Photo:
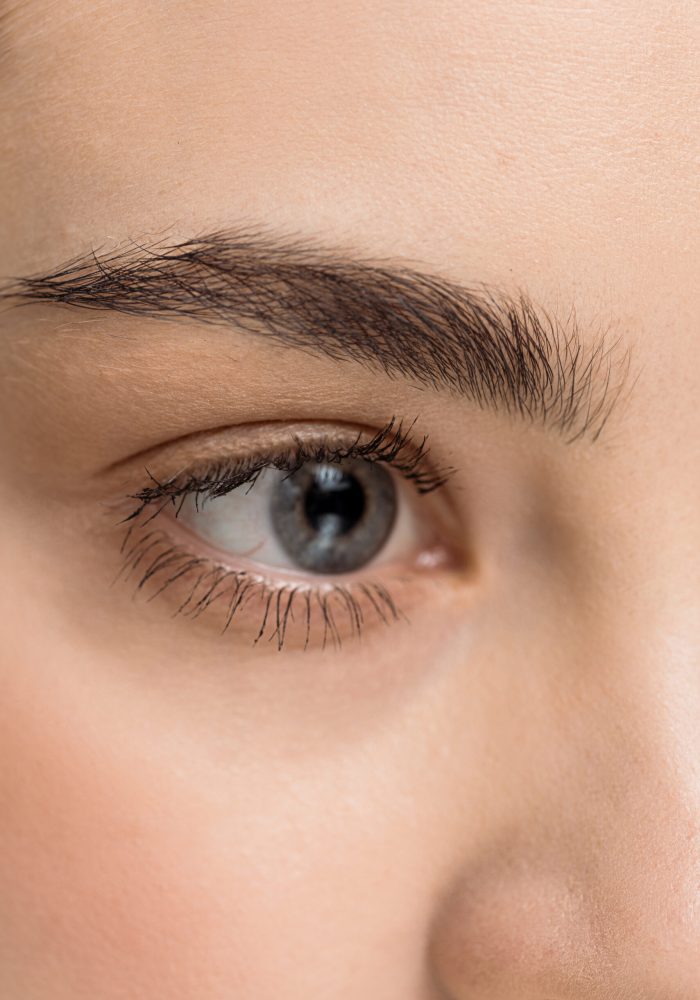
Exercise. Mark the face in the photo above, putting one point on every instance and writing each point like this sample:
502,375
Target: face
350,640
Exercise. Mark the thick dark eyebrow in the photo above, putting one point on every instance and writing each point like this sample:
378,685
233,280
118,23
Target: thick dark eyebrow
498,350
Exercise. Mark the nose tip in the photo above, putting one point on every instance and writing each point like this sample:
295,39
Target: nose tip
512,928
623,924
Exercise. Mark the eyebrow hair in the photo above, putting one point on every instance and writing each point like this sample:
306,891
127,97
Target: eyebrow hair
498,350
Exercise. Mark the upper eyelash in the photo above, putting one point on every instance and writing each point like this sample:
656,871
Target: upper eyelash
391,445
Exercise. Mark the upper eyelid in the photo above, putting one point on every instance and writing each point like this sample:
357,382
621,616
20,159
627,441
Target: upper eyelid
393,444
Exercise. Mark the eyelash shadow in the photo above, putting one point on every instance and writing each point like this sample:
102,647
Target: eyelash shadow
160,562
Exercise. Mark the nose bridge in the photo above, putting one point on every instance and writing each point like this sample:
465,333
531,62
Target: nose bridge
649,754
590,885
637,798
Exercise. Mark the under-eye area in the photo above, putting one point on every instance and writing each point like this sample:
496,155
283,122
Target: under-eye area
304,542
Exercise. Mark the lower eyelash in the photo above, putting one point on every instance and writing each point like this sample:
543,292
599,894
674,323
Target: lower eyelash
159,565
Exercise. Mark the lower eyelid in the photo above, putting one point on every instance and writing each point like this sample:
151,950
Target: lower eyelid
269,610
290,612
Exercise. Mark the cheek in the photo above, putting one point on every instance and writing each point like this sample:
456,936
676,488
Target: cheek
133,861
115,875
126,866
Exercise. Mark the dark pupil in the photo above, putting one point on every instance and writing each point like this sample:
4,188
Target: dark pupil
334,501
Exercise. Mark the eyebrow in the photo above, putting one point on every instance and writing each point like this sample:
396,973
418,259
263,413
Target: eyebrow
496,349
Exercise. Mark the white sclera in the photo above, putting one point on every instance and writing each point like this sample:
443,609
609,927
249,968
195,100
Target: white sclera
239,524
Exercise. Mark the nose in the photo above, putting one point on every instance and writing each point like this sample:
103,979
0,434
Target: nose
588,886
624,925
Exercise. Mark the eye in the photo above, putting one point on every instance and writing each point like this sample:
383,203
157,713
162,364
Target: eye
303,536
323,518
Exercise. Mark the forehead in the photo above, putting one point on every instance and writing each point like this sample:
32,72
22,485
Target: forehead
490,133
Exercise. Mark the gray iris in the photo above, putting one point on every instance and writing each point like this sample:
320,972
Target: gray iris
334,518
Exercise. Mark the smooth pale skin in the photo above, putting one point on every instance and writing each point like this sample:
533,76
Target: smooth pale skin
499,800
